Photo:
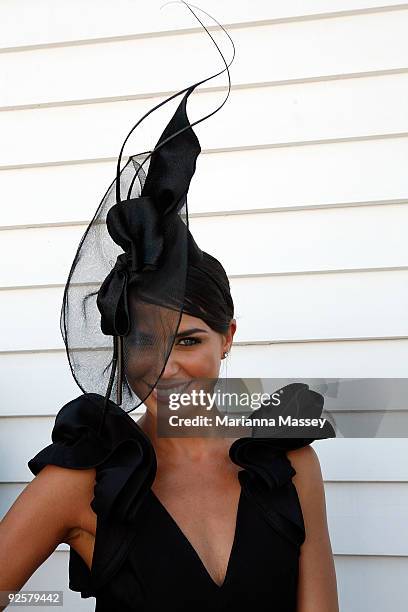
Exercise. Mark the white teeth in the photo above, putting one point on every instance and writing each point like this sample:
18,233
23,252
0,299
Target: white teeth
178,389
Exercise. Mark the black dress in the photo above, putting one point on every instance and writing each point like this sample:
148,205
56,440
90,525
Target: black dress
142,560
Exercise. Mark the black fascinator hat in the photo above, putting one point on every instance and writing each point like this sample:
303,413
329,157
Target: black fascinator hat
125,292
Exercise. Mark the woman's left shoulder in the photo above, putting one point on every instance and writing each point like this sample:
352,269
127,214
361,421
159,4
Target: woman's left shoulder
309,485
306,464
304,458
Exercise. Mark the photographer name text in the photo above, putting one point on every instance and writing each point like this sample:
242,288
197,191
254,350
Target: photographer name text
243,421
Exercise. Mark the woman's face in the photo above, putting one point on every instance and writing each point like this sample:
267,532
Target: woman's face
197,353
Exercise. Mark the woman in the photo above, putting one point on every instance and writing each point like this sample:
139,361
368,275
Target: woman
154,522
195,542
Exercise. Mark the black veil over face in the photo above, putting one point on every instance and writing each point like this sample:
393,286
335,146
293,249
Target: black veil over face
125,292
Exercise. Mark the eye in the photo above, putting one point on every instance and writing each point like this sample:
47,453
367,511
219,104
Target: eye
195,341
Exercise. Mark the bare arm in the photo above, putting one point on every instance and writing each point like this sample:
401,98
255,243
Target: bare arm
45,514
317,589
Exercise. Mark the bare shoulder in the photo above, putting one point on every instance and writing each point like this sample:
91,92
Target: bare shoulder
72,491
306,464
309,484
53,508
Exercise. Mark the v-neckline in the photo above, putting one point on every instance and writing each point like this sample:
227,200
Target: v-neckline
191,547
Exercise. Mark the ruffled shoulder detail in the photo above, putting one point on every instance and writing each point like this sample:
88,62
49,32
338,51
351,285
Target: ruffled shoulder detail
125,464
124,456
267,472
266,478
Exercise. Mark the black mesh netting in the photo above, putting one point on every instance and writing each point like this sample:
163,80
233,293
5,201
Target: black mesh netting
154,298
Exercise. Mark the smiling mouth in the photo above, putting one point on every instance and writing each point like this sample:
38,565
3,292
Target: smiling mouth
174,388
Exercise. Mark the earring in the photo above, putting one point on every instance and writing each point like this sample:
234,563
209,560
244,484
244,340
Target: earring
225,353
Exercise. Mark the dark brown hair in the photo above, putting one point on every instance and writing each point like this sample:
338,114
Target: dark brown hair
208,293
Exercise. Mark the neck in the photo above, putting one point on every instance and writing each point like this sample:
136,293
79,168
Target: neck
195,448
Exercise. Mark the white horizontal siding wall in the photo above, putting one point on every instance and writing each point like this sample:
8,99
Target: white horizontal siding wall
305,165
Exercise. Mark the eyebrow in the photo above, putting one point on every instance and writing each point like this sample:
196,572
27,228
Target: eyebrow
193,330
